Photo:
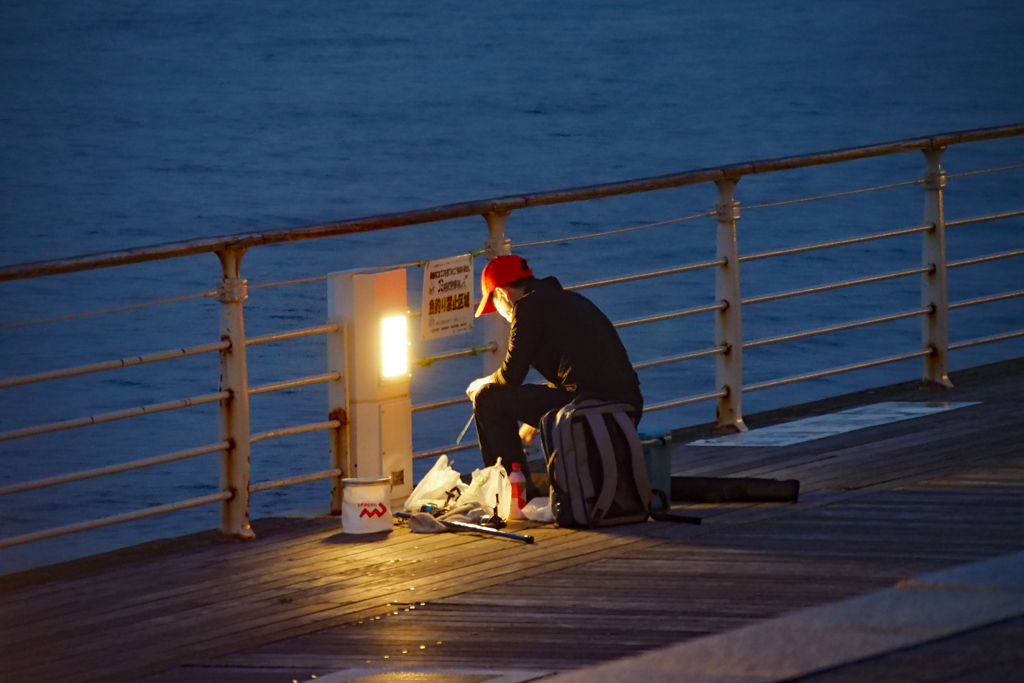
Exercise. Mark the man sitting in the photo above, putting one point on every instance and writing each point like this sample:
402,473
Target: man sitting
561,334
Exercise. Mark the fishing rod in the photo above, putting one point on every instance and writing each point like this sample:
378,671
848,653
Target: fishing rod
465,429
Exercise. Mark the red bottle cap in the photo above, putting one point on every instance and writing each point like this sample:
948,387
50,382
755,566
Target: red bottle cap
515,466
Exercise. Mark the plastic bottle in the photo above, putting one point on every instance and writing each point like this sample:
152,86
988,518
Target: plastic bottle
518,481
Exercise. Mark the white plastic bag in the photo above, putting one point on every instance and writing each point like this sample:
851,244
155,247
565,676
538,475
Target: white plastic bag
488,485
539,510
433,486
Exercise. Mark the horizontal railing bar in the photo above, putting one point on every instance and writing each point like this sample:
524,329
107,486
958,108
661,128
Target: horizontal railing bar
573,238
300,429
676,359
441,404
496,205
118,415
837,243
114,469
471,351
986,299
986,340
317,278
294,334
982,219
106,311
447,449
116,519
292,383
112,364
291,481
832,195
985,259
985,170
644,276
684,401
835,371
837,285
837,328
675,314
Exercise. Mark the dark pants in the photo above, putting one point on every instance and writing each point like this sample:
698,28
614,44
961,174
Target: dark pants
499,408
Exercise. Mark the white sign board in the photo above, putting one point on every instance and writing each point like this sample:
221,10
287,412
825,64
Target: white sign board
447,297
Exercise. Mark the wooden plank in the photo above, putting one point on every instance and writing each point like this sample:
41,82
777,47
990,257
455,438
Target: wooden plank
880,440
247,617
230,634
284,571
277,587
194,550
227,594
354,552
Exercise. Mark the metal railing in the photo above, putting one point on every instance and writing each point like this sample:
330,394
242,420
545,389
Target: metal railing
726,306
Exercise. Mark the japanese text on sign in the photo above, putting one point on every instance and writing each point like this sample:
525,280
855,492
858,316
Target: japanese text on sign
447,297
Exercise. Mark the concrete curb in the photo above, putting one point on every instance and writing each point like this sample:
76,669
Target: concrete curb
917,611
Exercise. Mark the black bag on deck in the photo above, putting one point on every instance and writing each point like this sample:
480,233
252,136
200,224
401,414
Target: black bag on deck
596,466
734,490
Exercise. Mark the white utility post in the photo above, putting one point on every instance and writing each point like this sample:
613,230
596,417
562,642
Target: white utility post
337,400
234,411
935,325
496,328
728,322
370,351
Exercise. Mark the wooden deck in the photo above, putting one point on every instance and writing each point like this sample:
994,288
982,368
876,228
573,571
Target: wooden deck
877,505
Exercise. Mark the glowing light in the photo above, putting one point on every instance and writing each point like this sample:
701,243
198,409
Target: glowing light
394,346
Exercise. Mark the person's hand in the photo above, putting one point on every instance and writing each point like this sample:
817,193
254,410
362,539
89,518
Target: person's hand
526,433
476,385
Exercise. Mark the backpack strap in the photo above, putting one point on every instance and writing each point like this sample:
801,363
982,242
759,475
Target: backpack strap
570,464
586,480
611,471
643,483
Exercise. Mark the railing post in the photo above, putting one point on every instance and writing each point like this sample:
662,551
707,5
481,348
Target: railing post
496,328
729,321
234,411
935,325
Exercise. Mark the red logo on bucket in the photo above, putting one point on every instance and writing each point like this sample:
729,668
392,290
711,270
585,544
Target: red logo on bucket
377,511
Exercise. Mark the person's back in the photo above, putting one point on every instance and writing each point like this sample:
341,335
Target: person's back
574,345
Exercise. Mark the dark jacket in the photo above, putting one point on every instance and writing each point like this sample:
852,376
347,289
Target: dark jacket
570,342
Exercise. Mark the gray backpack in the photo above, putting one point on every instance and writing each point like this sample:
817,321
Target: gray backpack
596,466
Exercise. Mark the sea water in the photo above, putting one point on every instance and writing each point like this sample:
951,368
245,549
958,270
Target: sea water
125,124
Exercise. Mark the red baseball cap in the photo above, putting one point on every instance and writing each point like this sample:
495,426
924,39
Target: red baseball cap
501,271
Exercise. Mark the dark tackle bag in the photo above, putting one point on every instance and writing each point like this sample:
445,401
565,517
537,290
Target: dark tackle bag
596,466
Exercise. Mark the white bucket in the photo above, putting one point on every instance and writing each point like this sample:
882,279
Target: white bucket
366,505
